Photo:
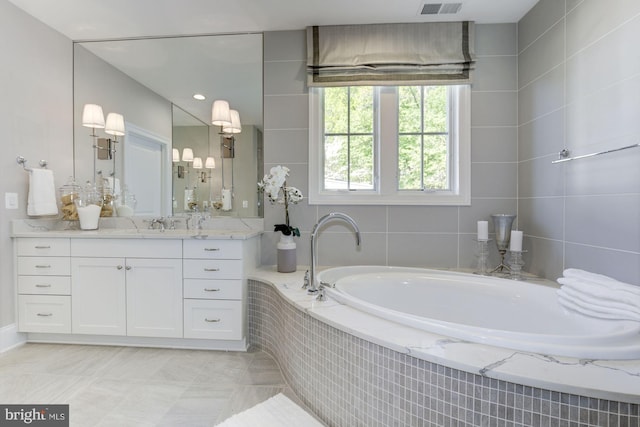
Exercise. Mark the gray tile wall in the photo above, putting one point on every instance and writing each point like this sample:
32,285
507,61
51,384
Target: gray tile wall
348,381
397,235
579,85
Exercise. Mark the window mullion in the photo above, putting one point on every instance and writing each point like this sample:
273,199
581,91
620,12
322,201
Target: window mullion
388,140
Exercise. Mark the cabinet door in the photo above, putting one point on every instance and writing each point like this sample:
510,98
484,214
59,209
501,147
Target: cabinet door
154,297
98,292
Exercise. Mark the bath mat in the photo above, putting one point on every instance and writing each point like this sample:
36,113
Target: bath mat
278,411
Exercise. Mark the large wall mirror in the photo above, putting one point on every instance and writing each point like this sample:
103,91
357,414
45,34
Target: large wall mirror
151,82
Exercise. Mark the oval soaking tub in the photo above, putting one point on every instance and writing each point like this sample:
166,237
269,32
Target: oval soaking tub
506,313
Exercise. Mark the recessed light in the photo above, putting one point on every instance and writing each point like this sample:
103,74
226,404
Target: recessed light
199,96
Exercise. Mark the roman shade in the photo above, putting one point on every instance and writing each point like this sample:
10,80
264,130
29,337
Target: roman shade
390,54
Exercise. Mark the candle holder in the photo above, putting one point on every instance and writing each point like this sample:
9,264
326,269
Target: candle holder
482,255
516,262
502,224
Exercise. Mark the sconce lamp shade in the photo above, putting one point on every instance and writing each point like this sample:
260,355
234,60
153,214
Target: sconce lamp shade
187,155
92,116
236,126
210,163
115,124
176,155
220,115
197,163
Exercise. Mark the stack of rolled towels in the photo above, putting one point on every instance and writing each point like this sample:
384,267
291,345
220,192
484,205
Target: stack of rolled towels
596,295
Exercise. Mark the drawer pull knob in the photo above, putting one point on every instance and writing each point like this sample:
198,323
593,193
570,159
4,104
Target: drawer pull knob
45,314
119,267
43,266
211,269
211,249
211,290
211,320
43,285
43,247
128,267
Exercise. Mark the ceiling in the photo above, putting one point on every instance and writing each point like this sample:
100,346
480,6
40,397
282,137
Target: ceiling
90,20
101,19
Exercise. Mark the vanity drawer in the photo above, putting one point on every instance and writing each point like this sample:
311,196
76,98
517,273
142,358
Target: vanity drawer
213,249
212,289
32,246
212,269
44,266
44,285
44,313
213,319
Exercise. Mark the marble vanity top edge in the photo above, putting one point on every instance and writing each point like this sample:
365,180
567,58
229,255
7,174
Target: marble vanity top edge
617,380
49,228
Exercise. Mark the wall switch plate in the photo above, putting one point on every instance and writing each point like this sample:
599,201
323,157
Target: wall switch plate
11,200
245,204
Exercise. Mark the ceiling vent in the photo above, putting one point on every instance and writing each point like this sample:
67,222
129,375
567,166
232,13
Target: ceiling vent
440,8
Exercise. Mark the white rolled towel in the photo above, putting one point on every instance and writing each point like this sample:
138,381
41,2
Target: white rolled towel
42,193
600,279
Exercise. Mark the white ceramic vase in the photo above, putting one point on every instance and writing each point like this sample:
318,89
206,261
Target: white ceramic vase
286,254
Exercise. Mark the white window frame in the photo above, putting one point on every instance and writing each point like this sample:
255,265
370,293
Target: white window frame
386,147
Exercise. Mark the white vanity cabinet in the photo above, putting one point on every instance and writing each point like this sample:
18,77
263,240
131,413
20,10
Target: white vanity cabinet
138,294
182,291
44,285
214,289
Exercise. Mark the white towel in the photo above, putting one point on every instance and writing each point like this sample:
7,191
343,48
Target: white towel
601,280
42,193
591,311
597,304
278,411
599,291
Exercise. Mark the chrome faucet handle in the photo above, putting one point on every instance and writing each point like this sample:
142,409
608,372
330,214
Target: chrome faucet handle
321,287
172,222
305,283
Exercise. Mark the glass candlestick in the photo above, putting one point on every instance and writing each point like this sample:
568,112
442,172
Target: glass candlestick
482,254
515,263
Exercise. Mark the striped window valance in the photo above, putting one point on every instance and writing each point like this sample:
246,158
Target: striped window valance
390,54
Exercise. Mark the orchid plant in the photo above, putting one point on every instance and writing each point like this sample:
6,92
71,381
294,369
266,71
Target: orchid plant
274,185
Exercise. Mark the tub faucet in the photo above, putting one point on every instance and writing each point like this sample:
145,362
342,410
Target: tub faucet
313,285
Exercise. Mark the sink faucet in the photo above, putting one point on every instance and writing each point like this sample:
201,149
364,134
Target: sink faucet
313,286
154,221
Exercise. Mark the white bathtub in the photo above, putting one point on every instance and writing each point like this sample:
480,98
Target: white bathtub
518,315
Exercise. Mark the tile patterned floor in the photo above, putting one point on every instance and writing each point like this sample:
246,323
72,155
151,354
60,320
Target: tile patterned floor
127,386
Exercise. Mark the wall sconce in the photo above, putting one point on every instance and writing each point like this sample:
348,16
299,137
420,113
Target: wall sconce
210,163
187,155
235,126
104,148
176,155
220,113
93,117
197,163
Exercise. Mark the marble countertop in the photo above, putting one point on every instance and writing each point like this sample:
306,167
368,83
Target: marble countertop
226,228
617,380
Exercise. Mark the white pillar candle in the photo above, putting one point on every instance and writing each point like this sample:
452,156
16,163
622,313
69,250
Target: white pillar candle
483,230
516,241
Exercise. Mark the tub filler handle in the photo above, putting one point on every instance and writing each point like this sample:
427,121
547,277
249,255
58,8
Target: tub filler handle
321,287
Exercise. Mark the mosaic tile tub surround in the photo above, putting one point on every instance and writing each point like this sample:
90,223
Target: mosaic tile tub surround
350,381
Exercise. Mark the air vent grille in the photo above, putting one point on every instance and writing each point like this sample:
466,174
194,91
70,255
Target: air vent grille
440,8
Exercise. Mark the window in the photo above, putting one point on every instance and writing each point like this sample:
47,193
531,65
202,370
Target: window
394,145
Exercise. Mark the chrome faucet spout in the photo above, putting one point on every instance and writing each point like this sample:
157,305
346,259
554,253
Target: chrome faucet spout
313,285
